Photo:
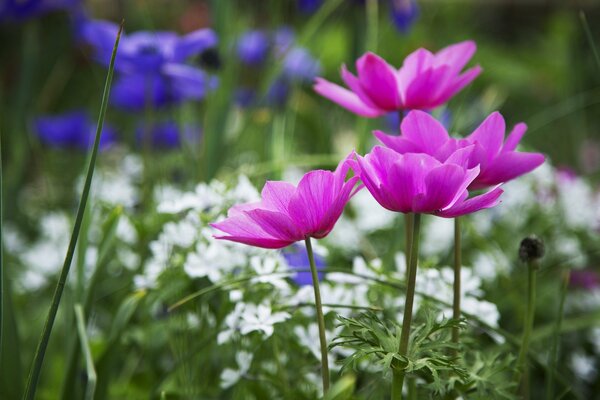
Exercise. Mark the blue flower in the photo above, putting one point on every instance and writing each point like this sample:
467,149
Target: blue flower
73,130
167,135
404,14
153,66
253,47
297,259
300,65
309,6
23,9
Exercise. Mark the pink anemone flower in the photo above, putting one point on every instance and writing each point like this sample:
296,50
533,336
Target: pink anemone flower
419,183
497,159
287,214
424,82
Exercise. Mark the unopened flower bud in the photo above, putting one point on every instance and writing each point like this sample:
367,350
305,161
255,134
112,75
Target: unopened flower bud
531,249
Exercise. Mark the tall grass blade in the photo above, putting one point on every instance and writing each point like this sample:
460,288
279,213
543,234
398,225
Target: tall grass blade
38,359
590,37
87,354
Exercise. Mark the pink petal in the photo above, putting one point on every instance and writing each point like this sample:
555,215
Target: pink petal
508,166
337,208
378,80
313,197
426,88
428,134
461,156
456,55
354,84
486,200
407,180
369,175
276,224
397,143
458,84
490,135
515,137
413,65
346,99
242,229
443,186
276,195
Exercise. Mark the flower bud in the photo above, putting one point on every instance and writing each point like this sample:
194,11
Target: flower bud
531,249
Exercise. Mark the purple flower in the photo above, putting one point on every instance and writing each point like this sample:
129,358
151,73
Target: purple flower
297,258
497,159
586,279
419,183
424,82
404,14
300,65
72,130
152,65
179,82
309,6
253,47
287,214
23,9
167,135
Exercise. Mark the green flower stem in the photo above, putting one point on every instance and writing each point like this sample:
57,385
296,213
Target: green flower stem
529,318
457,269
320,317
38,359
566,275
408,232
398,375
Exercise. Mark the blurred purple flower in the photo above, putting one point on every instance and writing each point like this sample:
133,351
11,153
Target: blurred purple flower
73,130
584,279
167,135
309,6
23,9
297,259
137,92
253,47
300,65
152,65
283,39
404,13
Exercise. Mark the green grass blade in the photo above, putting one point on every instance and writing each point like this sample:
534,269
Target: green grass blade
87,354
105,249
38,359
590,37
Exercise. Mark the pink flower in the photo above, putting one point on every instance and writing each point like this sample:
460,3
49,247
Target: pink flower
419,183
287,214
497,159
424,82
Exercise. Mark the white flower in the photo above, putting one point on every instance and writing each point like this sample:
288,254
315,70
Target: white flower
230,377
266,268
438,236
583,366
126,231
261,319
182,233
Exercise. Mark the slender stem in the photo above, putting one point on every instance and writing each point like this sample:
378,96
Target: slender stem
398,375
320,317
529,318
556,337
408,231
457,270
38,359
